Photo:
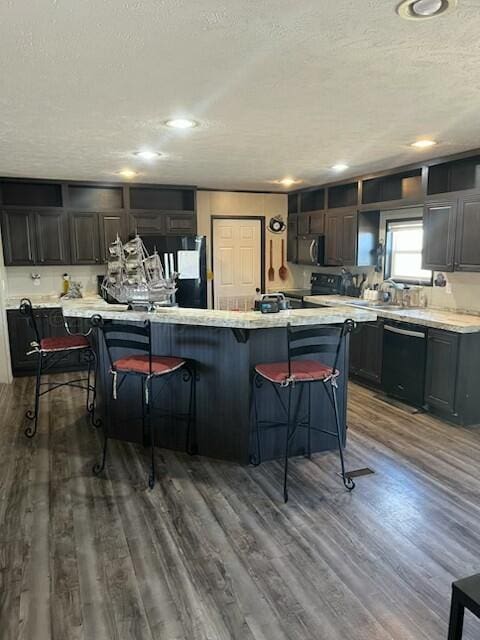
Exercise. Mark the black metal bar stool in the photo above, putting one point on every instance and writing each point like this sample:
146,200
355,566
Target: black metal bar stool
465,593
51,351
297,370
138,338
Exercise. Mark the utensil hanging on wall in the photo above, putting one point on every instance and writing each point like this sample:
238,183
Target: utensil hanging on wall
271,271
283,271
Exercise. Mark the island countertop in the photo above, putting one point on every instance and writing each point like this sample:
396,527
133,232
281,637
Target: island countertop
85,308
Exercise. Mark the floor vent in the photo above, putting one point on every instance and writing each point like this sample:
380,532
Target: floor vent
356,473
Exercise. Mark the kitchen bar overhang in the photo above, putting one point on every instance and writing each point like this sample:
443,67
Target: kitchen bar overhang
226,346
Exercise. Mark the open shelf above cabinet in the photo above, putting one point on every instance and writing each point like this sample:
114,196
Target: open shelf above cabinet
313,200
165,199
401,186
92,197
457,175
343,195
31,194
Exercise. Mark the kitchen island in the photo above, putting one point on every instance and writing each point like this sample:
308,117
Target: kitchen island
226,345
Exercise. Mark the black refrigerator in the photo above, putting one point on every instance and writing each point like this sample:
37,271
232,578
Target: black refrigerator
189,257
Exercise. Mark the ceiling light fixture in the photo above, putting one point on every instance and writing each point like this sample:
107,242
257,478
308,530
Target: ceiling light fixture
423,143
340,166
146,154
181,123
422,9
127,173
287,182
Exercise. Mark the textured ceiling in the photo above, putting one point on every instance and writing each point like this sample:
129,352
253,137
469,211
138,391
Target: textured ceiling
281,87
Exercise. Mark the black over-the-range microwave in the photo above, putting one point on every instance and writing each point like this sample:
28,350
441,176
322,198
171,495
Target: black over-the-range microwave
311,250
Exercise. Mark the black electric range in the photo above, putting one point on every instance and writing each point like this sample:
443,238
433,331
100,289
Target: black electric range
322,284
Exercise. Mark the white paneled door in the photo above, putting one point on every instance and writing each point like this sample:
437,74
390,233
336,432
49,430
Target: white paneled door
237,261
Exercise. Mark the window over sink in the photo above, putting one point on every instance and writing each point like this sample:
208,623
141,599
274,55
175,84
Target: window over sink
403,252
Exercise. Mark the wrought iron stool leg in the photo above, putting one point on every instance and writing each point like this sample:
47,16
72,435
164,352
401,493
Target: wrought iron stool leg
348,482
98,467
309,433
287,444
92,389
256,460
191,445
148,395
31,430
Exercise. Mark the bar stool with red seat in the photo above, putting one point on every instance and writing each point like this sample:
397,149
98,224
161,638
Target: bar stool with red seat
51,351
304,372
149,367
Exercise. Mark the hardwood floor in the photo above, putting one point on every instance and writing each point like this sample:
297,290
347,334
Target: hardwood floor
213,553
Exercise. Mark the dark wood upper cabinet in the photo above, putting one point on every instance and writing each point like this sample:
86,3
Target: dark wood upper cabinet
51,233
317,222
333,239
180,224
18,234
349,238
439,221
292,254
84,238
341,228
303,224
111,225
147,222
467,240
293,202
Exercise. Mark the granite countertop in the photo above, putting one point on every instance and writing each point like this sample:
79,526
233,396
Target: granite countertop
85,308
45,300
427,317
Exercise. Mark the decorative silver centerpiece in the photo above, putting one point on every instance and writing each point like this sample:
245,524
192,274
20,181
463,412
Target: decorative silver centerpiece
136,278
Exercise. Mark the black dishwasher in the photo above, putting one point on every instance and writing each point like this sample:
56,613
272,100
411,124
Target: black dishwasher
404,358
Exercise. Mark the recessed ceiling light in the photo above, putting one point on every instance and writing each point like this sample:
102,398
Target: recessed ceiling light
421,9
146,154
340,166
423,144
127,173
287,182
181,123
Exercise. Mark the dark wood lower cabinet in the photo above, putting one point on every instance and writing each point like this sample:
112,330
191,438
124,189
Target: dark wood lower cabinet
50,323
366,349
451,382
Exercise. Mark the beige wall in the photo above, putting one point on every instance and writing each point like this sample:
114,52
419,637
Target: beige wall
229,203
19,279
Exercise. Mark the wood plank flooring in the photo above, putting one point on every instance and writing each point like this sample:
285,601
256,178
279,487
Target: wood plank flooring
213,553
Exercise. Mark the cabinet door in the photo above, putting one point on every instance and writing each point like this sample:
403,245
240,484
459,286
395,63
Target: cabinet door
366,350
467,245
317,222
441,372
18,235
51,237
333,239
371,351
292,255
111,225
180,224
84,235
303,224
439,235
146,222
21,335
349,238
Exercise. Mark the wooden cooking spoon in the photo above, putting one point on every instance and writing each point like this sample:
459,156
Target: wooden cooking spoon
271,271
283,271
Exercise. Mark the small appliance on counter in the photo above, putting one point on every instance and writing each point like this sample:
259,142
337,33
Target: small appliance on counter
328,284
272,303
